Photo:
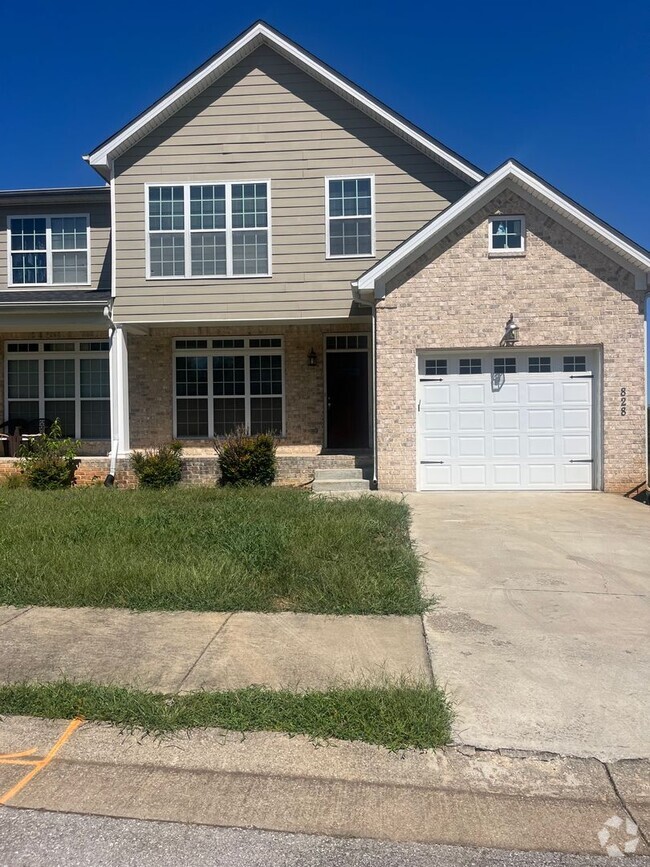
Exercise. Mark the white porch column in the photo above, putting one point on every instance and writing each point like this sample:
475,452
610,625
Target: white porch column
119,379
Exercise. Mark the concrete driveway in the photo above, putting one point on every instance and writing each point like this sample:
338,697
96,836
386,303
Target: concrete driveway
542,631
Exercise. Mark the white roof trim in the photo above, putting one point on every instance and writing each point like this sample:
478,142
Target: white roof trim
255,36
594,231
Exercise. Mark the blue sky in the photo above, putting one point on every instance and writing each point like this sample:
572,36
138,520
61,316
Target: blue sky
563,87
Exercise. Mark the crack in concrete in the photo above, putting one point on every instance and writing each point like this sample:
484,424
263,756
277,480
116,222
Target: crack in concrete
624,804
16,616
204,651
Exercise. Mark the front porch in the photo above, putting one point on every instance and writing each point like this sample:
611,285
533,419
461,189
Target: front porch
309,383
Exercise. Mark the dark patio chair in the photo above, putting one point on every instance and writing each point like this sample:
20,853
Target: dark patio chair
10,435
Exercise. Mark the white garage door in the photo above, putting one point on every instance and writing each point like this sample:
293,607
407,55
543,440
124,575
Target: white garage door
508,420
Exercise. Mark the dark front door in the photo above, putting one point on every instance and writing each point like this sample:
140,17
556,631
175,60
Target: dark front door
347,400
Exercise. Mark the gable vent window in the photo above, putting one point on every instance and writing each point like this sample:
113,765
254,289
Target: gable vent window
507,235
49,251
209,230
350,216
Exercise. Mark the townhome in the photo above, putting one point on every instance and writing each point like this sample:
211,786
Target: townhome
273,248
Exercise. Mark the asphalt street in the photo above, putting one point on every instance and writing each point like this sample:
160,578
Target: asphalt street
29,837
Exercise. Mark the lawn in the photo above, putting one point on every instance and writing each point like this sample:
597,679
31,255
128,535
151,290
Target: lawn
396,717
207,550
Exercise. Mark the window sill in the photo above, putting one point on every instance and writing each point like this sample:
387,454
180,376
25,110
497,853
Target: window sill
46,286
360,256
506,254
215,277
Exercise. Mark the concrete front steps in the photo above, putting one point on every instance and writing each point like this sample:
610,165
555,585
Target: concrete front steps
342,480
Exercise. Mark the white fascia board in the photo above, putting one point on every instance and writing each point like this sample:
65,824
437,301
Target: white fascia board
374,280
257,35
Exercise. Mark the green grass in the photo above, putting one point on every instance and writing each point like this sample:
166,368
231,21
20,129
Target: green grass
207,550
397,717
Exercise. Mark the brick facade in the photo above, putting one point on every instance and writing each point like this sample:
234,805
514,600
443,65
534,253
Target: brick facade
562,292
151,379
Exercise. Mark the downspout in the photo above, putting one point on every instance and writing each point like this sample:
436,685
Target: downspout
109,481
646,298
375,483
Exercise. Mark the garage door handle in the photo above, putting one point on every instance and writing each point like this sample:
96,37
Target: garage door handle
581,461
581,376
431,379
432,462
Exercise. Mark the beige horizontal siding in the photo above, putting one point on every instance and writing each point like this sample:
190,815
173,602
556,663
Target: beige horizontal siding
100,212
265,119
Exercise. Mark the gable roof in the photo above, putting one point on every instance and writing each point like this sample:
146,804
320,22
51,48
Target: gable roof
511,175
259,34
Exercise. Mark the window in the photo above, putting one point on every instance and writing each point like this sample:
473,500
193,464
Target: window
507,235
349,216
49,251
68,381
346,341
238,382
539,364
575,363
435,367
208,230
505,365
469,365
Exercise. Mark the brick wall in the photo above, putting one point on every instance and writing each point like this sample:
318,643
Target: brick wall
562,292
151,379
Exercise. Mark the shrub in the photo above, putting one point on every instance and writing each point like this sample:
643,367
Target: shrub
14,481
49,461
246,459
160,467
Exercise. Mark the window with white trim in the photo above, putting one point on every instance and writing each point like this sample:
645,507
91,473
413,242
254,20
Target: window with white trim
505,365
230,383
574,363
350,215
539,364
435,367
507,235
469,365
208,230
49,250
66,380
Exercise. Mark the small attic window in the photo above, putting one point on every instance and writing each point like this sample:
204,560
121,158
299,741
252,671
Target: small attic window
507,235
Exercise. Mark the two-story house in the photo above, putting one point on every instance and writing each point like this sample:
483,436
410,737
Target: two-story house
274,248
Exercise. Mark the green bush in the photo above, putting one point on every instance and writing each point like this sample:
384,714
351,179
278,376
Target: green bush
246,459
14,482
160,467
49,461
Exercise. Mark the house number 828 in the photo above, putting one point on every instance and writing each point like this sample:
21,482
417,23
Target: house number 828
624,401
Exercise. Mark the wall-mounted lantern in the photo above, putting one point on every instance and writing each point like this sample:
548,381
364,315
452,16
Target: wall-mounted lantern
511,335
312,358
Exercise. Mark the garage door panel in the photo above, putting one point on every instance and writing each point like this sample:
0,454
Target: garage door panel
506,447
522,430
469,393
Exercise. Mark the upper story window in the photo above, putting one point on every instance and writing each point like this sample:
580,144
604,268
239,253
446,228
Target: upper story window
507,235
208,230
350,216
49,251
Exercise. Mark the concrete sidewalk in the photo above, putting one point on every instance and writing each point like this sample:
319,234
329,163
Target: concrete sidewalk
184,651
271,781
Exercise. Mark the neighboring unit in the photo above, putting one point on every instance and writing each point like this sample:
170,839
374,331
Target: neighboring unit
277,250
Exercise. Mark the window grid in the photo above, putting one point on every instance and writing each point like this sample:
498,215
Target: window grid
60,380
242,385
539,364
505,365
49,250
350,217
469,365
574,363
224,231
435,367
346,341
507,234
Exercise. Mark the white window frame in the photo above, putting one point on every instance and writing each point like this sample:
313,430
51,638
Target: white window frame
187,230
247,351
41,356
371,216
48,251
501,251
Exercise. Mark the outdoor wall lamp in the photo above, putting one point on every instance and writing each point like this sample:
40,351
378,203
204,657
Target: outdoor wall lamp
512,332
311,358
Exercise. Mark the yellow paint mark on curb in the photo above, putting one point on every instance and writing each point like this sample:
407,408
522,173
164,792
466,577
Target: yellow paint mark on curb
38,765
9,756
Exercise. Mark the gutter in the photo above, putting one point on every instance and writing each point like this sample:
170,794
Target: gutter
375,482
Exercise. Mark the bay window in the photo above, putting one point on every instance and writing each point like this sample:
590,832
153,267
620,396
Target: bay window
66,380
49,251
228,383
208,230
